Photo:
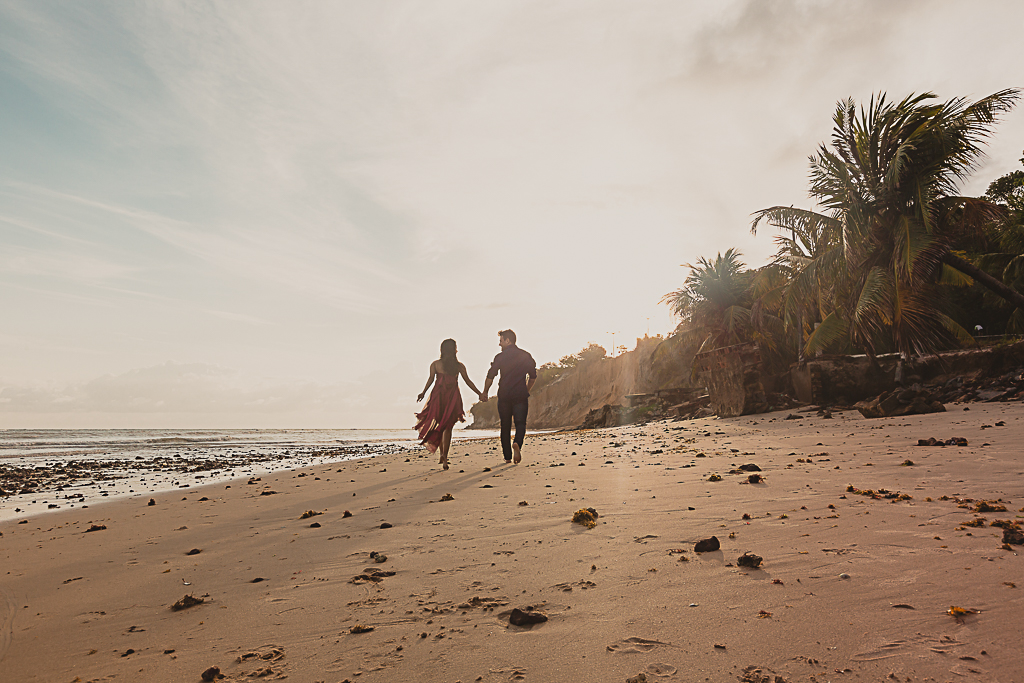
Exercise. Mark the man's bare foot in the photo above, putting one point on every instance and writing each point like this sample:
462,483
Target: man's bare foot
518,456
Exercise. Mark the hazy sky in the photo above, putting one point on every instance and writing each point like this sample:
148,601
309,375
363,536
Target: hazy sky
270,214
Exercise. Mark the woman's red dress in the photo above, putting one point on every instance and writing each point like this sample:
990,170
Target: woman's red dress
443,410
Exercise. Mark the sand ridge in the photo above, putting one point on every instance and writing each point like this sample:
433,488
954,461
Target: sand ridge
851,584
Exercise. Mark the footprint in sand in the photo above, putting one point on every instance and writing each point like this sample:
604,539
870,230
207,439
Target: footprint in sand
658,669
635,645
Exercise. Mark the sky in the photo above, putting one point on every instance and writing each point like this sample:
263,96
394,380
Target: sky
270,214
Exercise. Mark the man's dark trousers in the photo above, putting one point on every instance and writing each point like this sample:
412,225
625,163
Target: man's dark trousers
510,410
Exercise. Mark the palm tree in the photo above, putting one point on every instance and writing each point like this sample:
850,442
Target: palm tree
714,302
891,215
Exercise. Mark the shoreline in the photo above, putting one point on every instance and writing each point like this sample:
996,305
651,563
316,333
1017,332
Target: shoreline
849,583
55,480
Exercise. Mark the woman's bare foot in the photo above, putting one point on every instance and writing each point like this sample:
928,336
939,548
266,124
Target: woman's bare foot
517,455
444,461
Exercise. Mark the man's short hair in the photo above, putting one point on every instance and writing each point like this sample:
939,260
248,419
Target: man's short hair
509,335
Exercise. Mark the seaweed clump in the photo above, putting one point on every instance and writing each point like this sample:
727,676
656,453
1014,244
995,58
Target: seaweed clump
879,493
310,513
586,517
186,602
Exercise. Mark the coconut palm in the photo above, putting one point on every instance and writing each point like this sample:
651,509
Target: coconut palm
890,216
714,302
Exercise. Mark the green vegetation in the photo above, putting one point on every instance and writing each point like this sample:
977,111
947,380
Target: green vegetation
892,259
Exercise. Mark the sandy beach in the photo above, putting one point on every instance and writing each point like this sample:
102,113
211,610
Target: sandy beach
410,573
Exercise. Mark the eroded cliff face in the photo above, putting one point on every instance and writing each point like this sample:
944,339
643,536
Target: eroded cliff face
655,364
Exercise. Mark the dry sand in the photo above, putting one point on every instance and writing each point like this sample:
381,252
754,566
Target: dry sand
851,587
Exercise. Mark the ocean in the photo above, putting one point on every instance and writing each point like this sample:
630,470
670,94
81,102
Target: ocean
43,470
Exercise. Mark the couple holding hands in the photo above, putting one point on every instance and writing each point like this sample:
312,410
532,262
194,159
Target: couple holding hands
444,407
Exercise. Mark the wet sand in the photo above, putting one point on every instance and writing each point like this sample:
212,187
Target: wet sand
852,586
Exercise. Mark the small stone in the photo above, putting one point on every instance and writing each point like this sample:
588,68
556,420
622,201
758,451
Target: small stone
386,525
749,560
314,525
844,576
346,514
194,551
151,502
211,674
707,545
520,618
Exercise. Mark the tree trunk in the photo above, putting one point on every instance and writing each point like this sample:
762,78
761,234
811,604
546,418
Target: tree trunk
984,279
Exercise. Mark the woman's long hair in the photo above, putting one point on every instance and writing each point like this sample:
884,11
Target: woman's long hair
449,359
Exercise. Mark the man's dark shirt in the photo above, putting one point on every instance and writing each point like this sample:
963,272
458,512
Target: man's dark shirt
514,364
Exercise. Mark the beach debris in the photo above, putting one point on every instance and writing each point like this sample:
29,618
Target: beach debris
719,646
310,513
902,605
778,582
152,502
707,545
258,579
750,467
186,602
761,674
639,678
959,613
314,525
371,576
194,551
523,503
183,581
346,514
360,628
989,506
715,477
755,479
212,674
879,493
900,402
485,603
446,497
386,525
764,614
586,517
526,617
844,576
268,493
952,441
94,527
748,559
378,557
794,416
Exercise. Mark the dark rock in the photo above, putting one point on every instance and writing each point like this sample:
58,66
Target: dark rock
211,674
386,525
194,551
346,514
900,402
151,502
1013,536
750,467
755,479
314,525
94,527
258,579
749,560
707,545
520,618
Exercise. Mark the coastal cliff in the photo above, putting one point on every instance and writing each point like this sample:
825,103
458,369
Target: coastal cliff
655,364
